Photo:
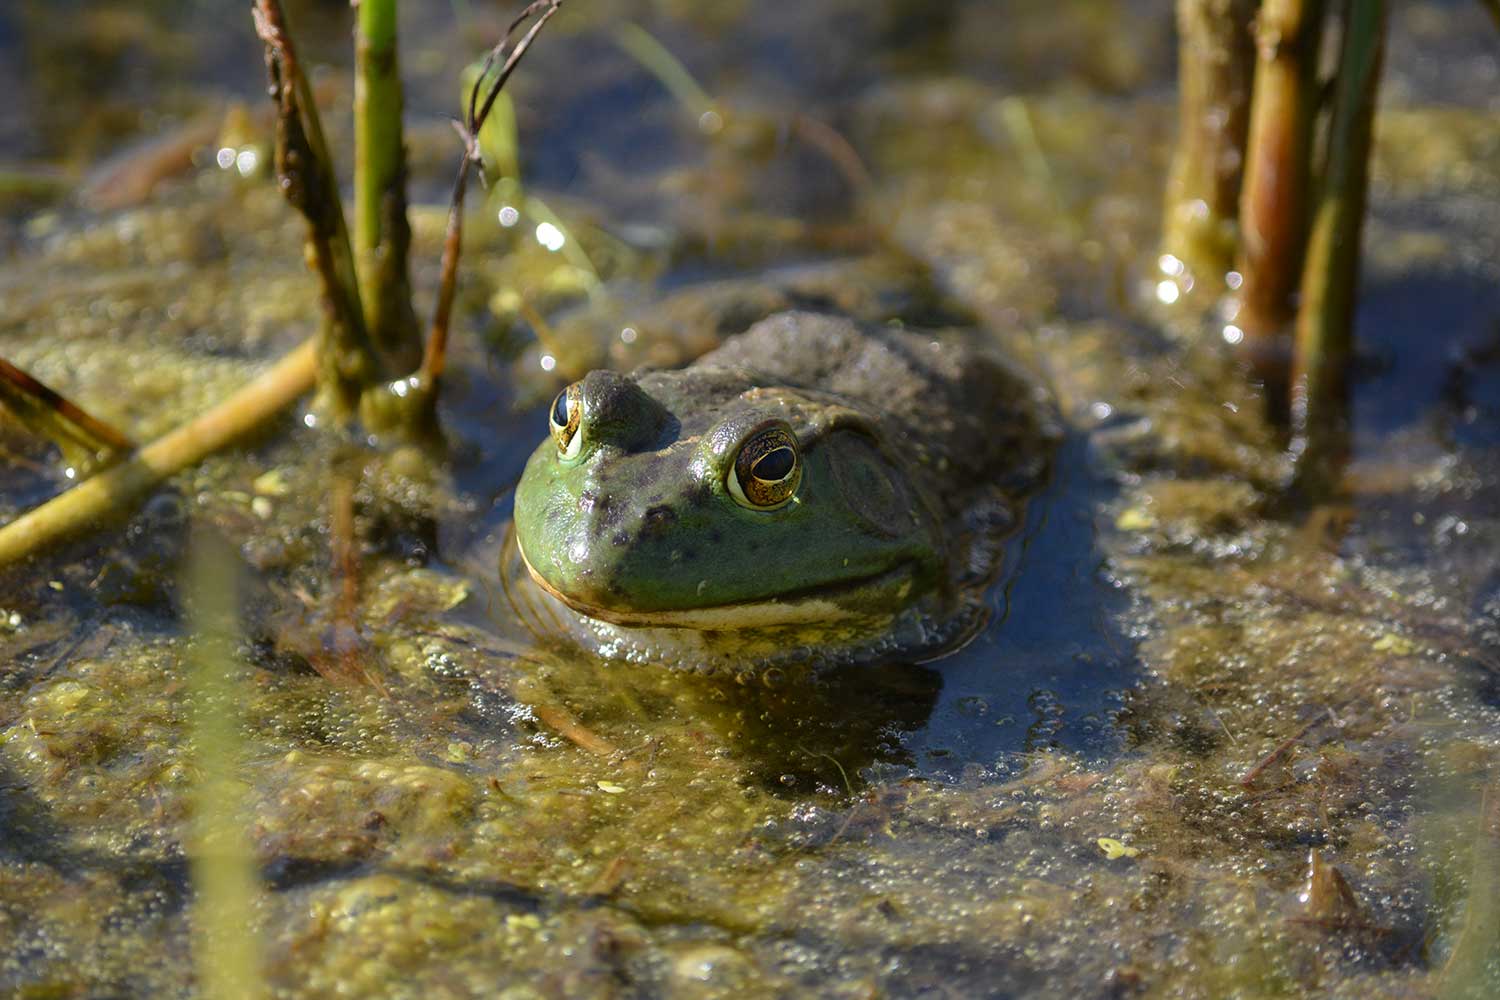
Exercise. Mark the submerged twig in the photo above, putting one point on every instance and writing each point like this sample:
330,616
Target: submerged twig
345,651
114,489
48,412
507,54
1279,751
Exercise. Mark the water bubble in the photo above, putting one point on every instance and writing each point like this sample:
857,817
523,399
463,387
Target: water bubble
550,236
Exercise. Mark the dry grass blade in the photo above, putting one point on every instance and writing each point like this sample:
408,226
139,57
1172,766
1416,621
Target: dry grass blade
48,412
304,169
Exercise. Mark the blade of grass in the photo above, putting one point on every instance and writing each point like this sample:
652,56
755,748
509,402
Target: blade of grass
1471,971
656,59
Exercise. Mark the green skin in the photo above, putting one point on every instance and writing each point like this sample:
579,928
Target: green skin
640,527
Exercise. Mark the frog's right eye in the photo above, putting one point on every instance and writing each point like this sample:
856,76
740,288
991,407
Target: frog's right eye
566,415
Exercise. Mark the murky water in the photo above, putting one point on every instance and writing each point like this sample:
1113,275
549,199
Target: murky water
1184,691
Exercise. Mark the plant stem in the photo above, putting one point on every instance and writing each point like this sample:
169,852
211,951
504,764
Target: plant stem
82,437
112,491
382,236
226,948
434,360
1215,61
503,59
1470,971
1274,203
348,361
1325,318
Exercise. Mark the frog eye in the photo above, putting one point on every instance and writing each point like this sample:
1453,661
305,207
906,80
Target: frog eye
566,415
767,470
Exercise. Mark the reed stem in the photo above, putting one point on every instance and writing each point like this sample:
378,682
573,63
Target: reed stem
1275,200
347,358
1330,275
1216,57
382,236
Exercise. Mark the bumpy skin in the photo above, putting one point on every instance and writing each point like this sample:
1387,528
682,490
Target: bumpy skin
915,454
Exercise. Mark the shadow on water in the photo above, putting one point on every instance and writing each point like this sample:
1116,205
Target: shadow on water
1051,668
1400,323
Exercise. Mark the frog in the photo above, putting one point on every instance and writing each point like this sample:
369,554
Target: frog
814,490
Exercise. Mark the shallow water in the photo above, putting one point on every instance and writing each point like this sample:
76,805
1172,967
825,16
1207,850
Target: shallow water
1113,791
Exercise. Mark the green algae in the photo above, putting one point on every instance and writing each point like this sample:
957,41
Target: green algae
500,816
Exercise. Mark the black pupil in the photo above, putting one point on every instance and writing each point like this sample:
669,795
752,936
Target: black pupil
560,409
774,465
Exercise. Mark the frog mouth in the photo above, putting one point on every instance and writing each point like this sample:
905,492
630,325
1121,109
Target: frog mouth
825,604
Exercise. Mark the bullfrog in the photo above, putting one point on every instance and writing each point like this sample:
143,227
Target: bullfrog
812,490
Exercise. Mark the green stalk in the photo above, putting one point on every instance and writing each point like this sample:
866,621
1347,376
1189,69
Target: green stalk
1278,173
1473,968
382,237
225,884
1215,60
1330,276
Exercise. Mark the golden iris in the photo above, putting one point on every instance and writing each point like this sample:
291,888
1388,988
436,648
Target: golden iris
566,415
767,469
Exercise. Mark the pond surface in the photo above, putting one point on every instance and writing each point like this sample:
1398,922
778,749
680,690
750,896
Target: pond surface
1209,744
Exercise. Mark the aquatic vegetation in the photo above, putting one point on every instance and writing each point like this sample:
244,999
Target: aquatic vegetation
1290,720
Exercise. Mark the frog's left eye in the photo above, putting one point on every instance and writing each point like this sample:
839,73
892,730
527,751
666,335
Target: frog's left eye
767,470
566,415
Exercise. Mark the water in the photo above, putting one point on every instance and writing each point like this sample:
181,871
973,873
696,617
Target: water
442,803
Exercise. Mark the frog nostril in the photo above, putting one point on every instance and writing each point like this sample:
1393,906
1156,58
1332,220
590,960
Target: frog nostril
657,521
